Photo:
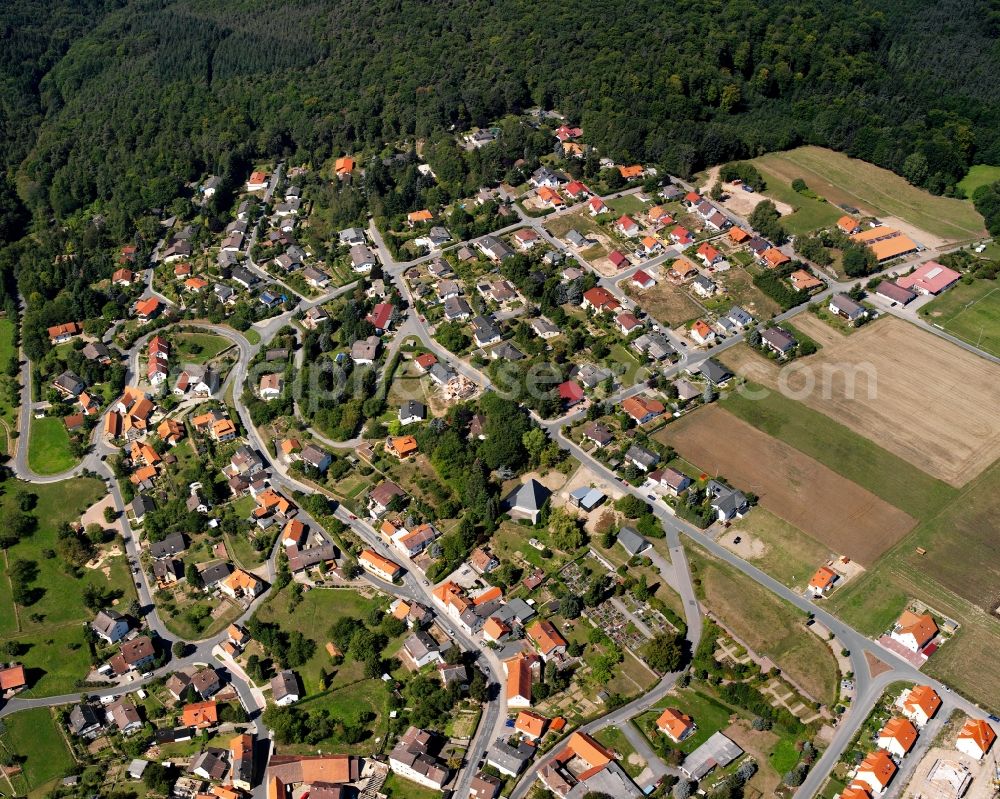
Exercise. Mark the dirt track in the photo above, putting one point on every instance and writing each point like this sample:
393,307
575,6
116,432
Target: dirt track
841,515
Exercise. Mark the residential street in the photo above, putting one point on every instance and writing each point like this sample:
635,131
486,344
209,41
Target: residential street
674,571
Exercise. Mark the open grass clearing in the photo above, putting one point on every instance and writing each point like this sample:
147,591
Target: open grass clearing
351,702
768,625
741,291
970,311
49,631
48,446
60,594
921,397
668,304
615,740
841,515
34,734
313,617
788,555
876,191
628,204
836,446
810,214
397,787
8,404
581,221
198,347
978,175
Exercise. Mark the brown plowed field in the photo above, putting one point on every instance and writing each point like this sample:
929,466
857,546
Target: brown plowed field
841,515
932,403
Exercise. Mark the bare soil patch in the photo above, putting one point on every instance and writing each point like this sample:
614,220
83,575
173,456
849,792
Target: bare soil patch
831,509
738,201
665,302
917,395
875,665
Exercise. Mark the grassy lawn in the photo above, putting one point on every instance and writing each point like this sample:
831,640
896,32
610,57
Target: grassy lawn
784,757
252,336
979,175
615,740
620,355
7,350
182,626
397,787
769,625
48,447
741,291
709,714
198,347
583,222
241,550
629,204
631,677
809,213
841,179
350,696
316,613
790,556
8,411
970,311
897,482
58,503
34,734
8,622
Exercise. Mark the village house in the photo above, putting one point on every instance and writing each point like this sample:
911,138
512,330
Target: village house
822,582
365,351
110,626
642,409
727,502
285,688
876,771
641,458
914,631
897,737
975,739
599,299
701,333
919,704
271,386
59,334
675,725
381,317
843,306
802,280
779,341
375,564
546,639
413,757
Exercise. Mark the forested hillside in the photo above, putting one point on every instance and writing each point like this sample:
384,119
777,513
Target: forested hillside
124,101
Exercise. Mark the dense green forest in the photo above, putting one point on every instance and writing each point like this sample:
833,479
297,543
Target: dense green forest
110,106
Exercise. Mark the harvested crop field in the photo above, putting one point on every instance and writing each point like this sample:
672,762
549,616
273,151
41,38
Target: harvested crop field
916,395
841,515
